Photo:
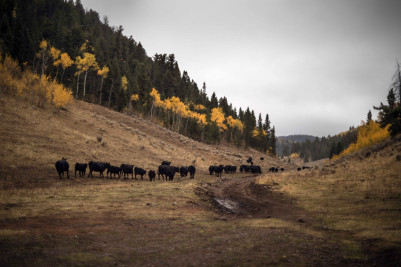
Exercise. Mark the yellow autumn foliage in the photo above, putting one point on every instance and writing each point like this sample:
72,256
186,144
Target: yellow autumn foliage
176,106
61,95
103,71
124,83
234,123
294,155
368,134
199,107
64,60
31,87
134,97
55,53
218,117
43,44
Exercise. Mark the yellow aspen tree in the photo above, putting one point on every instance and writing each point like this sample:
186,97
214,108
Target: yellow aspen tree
156,99
79,65
368,134
88,63
217,116
103,72
61,96
55,54
65,62
124,83
199,107
44,55
234,124
134,97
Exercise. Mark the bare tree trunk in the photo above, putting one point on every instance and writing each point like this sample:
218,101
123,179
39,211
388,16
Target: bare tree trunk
151,110
56,73
86,73
111,89
43,64
100,95
186,125
61,79
76,94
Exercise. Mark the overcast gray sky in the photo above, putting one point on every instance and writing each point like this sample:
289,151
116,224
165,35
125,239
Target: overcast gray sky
315,66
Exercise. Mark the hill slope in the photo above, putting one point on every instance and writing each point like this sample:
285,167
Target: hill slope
34,139
345,213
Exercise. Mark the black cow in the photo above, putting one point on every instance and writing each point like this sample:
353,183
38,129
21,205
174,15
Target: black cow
244,168
249,160
152,175
113,170
97,167
192,171
167,172
274,169
127,169
81,168
241,168
255,169
298,169
211,170
282,169
227,169
230,169
165,162
184,171
61,167
218,170
262,158
139,171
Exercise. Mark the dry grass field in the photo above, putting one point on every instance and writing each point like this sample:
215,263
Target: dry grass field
345,213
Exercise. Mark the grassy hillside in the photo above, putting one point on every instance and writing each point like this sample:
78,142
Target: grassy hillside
33,139
358,196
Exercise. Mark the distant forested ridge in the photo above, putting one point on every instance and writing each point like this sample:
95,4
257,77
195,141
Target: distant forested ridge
73,46
312,148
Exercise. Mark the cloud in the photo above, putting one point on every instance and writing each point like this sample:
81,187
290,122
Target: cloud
315,67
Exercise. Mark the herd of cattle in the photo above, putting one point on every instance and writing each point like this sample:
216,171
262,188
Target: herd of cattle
165,170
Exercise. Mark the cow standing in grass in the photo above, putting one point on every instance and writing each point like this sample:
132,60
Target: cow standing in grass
127,169
167,171
97,167
211,170
184,171
81,168
218,170
139,171
192,171
152,175
113,170
61,167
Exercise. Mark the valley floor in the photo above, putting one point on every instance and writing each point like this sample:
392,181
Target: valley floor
103,222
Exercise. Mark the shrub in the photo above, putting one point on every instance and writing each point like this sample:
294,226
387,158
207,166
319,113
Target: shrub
368,134
29,86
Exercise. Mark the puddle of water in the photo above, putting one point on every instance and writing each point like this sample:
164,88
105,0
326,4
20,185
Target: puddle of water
228,204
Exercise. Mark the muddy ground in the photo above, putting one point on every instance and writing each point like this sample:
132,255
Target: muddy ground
134,226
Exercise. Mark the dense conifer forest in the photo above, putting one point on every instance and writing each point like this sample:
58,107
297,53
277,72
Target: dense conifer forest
75,47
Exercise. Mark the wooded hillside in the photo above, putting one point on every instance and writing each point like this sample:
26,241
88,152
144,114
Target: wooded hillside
76,47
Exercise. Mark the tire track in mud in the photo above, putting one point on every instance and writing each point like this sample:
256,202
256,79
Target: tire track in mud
242,197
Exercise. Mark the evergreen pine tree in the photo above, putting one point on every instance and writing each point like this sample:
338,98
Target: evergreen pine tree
369,117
